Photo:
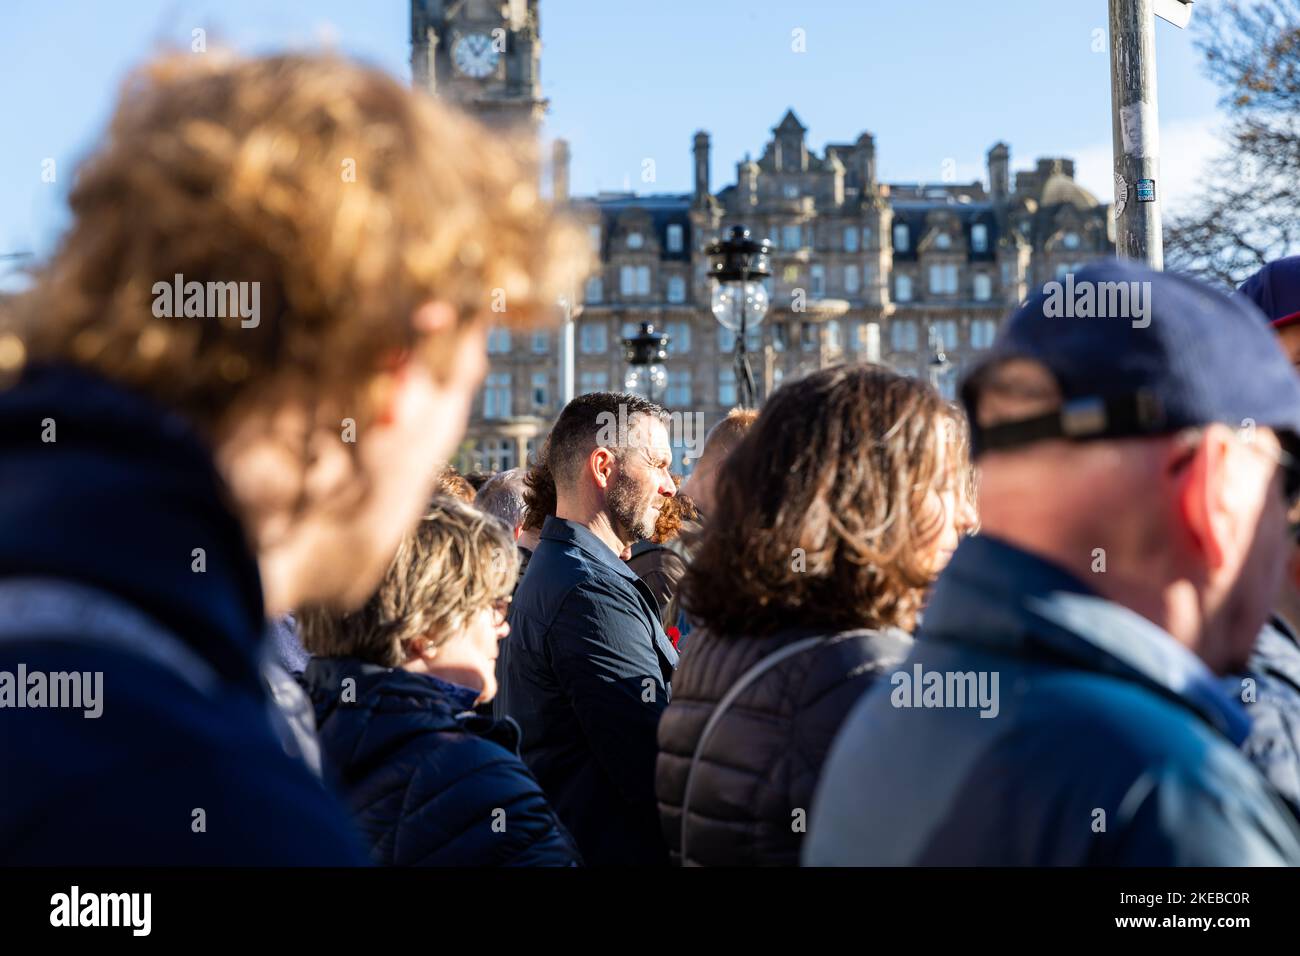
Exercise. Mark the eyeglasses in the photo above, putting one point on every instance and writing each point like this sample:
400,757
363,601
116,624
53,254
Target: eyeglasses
1290,470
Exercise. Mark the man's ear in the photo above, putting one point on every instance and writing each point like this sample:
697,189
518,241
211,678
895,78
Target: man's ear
390,387
1200,482
601,464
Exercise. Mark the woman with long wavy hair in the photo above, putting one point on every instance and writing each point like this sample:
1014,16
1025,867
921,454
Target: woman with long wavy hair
833,517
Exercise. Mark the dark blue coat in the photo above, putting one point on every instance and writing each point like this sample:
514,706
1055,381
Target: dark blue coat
1107,743
1270,689
117,504
587,673
430,783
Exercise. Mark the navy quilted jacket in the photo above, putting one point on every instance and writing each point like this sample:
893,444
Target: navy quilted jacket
428,783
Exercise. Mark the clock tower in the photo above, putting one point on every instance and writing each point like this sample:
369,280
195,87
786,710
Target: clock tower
483,55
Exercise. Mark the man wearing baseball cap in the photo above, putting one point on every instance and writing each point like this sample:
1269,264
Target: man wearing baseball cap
1271,684
1276,290
1063,704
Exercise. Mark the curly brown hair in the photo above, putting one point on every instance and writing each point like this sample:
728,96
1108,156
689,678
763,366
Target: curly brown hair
822,516
349,199
454,564
672,512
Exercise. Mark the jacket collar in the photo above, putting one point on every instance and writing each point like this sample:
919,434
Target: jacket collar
1000,597
579,536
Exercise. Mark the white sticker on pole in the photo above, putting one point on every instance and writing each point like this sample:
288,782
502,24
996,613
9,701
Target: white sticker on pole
1141,131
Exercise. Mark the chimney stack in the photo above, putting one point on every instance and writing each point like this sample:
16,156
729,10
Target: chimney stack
560,172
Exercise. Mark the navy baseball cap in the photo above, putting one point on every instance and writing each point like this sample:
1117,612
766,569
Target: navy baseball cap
1276,290
1137,352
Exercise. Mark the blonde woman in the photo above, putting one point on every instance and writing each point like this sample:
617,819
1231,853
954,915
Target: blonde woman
394,687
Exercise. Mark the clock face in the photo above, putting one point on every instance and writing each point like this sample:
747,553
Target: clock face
475,56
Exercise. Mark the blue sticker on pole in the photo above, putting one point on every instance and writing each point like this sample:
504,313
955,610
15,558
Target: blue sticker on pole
1146,190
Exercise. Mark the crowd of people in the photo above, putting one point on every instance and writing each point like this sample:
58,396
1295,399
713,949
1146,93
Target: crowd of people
1051,624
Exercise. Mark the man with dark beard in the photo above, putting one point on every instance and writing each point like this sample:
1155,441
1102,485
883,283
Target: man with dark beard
587,667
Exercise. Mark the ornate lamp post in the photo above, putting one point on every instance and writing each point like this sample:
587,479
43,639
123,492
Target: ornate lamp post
645,354
939,365
739,265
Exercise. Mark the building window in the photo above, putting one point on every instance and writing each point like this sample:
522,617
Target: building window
1071,240
496,395
791,237
818,272
727,386
850,238
809,340
498,342
943,279
593,339
635,240
593,232
595,289
674,238
593,382
541,343
541,390
679,389
902,288
790,275
634,280
947,333
866,237
902,238
982,333
676,289
791,191
979,237
871,342
496,454
983,287
834,339
679,338
851,279
780,337
902,336
943,241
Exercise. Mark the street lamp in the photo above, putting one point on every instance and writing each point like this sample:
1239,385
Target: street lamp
740,265
939,365
645,353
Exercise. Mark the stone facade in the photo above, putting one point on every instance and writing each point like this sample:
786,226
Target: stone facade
862,271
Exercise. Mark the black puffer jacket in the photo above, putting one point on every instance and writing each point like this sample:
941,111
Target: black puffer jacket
756,775
429,786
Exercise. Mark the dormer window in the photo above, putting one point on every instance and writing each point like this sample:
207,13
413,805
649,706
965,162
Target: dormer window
943,241
979,237
1071,240
674,237
791,190
902,238
634,240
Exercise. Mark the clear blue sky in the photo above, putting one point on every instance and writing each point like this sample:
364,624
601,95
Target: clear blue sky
932,79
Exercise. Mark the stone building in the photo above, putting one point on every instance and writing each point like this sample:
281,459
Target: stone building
894,273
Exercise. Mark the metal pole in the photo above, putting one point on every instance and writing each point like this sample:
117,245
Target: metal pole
565,342
1135,131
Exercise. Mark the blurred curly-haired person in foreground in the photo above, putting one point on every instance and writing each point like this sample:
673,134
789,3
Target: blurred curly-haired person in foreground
426,777
830,520
229,394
